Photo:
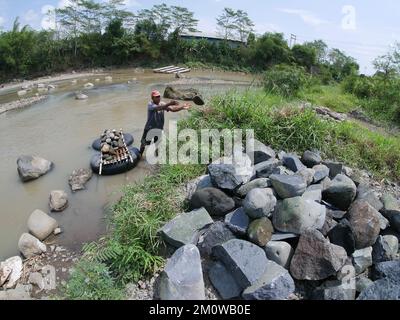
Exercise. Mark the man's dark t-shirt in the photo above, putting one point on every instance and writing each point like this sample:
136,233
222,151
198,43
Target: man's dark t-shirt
155,119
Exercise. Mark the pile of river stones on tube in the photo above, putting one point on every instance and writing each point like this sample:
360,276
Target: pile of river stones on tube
283,227
110,141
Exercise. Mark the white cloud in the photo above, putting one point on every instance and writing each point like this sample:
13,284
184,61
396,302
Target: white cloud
269,27
307,16
48,20
31,17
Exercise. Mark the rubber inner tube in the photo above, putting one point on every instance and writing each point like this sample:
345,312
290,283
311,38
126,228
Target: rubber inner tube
96,145
117,168
198,100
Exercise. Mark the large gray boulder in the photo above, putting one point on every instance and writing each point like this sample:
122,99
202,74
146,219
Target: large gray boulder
315,258
237,221
275,284
311,158
32,167
266,168
41,225
58,200
280,252
341,192
259,203
297,214
320,172
388,269
184,228
223,281
231,172
335,168
364,221
292,162
369,195
216,202
260,231
30,246
78,179
385,248
288,186
335,290
217,233
362,259
254,184
391,206
244,260
307,174
342,235
182,278
383,289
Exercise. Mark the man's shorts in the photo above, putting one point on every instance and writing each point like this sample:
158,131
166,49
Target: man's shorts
150,135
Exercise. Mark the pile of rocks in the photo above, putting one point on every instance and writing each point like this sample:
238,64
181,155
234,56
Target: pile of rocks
283,227
111,140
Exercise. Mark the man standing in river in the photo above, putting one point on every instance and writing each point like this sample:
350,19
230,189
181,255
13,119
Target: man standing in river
155,117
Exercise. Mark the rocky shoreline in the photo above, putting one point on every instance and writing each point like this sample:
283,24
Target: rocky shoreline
285,228
21,103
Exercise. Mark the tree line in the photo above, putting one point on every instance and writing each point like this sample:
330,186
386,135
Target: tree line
90,34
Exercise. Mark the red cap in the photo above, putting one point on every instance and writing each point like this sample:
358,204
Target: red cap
155,93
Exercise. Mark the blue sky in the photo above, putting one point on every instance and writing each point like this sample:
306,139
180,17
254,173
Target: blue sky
363,29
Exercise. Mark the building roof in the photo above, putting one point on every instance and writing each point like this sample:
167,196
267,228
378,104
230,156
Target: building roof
207,35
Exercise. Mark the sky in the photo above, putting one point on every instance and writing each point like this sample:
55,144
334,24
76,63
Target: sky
363,29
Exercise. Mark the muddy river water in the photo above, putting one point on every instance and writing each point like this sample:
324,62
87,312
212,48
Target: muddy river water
61,129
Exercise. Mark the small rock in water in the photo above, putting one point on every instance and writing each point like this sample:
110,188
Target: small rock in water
32,167
58,200
41,225
79,178
81,96
57,231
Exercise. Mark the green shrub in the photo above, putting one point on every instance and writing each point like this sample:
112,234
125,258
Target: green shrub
286,80
91,280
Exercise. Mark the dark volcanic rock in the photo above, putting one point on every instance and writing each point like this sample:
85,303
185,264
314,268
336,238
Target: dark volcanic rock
216,202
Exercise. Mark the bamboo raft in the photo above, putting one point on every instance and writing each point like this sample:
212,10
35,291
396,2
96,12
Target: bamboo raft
171,69
122,155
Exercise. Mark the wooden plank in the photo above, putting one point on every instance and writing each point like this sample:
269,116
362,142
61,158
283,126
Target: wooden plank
181,70
160,69
166,70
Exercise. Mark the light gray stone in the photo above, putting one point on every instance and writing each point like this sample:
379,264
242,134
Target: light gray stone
266,168
279,251
383,289
364,193
237,221
41,225
182,278
385,249
341,192
288,186
78,179
229,173
275,284
184,228
32,167
297,214
30,246
254,184
334,290
58,200
362,259
10,270
313,193
21,292
245,260
320,172
362,283
307,174
259,203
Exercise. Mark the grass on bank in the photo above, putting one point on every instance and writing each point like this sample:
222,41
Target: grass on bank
132,250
